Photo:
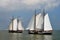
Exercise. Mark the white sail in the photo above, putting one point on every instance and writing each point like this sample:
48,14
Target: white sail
15,24
47,24
10,26
39,21
31,24
20,27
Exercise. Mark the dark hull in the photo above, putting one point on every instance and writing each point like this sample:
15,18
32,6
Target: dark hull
40,32
19,31
47,32
11,31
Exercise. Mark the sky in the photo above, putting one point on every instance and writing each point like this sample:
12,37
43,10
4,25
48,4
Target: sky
24,9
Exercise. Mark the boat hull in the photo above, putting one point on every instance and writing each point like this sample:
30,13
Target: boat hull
11,31
40,32
47,32
19,31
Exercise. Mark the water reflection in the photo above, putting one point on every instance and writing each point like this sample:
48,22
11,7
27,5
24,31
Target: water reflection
36,37
5,35
40,37
15,36
47,37
23,36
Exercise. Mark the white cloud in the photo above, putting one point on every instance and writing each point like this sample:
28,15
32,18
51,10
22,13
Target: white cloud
29,4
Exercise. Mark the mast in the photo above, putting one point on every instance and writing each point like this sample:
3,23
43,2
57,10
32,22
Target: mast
12,22
17,23
35,21
43,14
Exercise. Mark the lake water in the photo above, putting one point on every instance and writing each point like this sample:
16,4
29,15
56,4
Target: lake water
5,35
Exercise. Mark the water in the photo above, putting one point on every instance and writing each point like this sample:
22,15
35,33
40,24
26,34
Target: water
5,35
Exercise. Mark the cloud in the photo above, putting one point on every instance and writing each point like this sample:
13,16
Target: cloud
28,4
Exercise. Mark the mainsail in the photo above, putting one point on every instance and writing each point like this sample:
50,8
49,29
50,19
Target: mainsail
15,24
47,24
39,22
20,25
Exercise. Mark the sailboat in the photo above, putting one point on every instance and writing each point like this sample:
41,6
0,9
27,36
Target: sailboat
16,26
35,26
40,24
